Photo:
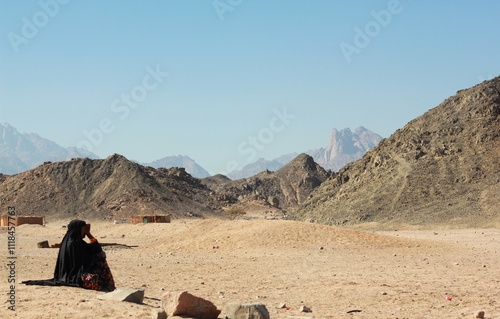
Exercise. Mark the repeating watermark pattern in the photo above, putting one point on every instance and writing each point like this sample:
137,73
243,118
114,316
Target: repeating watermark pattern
363,36
11,258
122,106
224,6
487,78
254,144
30,27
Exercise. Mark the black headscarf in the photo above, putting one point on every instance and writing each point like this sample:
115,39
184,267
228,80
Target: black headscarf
74,259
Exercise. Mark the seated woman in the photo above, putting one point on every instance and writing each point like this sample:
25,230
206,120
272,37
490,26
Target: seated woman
80,264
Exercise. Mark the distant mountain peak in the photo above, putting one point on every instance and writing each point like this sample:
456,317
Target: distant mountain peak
344,146
193,168
302,160
23,151
302,163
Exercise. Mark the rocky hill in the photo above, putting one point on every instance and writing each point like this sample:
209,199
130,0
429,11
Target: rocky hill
22,151
112,188
283,189
186,162
441,168
115,187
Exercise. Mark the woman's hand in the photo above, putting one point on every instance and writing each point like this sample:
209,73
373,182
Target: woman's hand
91,238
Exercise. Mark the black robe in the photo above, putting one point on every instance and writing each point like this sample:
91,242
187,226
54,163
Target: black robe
74,259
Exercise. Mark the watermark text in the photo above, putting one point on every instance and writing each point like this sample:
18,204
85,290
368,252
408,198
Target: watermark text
31,26
265,136
122,106
363,36
11,258
224,6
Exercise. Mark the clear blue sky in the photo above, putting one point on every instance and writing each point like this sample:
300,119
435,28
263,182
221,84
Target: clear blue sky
246,78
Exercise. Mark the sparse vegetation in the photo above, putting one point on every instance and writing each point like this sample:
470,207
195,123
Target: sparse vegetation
234,211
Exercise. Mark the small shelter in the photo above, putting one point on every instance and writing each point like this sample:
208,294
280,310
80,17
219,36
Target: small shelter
20,220
144,219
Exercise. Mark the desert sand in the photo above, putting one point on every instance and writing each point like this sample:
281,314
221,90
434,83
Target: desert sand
410,273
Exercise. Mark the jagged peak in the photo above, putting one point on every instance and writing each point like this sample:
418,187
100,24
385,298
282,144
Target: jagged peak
301,161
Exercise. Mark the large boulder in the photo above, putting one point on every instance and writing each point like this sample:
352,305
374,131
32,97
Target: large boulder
185,304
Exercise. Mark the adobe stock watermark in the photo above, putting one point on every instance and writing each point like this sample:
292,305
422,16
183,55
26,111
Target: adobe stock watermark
254,144
487,78
363,37
122,107
30,27
223,6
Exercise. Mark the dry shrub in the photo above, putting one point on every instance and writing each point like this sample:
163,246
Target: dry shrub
234,211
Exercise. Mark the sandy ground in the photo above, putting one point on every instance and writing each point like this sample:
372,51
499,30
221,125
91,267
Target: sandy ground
393,274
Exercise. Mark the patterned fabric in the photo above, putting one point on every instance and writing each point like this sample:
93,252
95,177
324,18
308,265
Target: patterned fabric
99,276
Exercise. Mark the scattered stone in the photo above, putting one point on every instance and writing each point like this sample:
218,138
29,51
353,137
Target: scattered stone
235,310
480,314
282,305
273,201
158,314
354,310
183,303
43,244
304,309
384,293
124,294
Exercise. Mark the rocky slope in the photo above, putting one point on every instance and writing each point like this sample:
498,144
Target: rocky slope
283,189
117,188
186,162
111,188
442,167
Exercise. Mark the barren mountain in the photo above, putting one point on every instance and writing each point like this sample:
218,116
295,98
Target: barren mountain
116,188
284,189
344,147
22,151
111,188
189,164
442,167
